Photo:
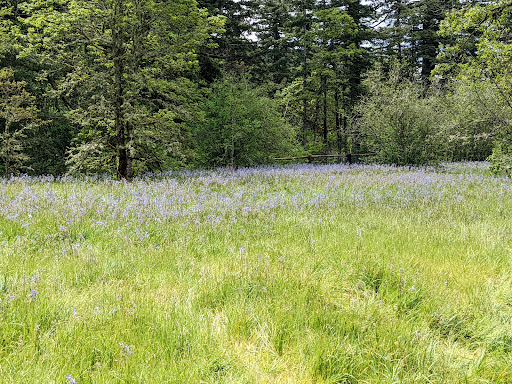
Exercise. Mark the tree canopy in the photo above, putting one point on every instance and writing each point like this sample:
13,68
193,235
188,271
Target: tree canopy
124,71
131,86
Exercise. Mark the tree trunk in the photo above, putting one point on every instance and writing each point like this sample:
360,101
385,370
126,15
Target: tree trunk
324,85
428,50
7,147
344,133
123,156
129,155
315,123
305,78
304,106
338,125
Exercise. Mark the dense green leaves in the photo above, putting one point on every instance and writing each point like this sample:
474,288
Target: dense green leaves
243,127
130,86
482,54
124,66
5,45
18,115
399,125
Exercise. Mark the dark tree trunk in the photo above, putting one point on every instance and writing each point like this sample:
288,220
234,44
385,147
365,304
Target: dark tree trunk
324,86
428,49
304,123
317,118
338,123
344,134
304,105
124,166
129,158
305,78
7,148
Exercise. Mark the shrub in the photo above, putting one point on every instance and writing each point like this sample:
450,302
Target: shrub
243,127
399,123
501,160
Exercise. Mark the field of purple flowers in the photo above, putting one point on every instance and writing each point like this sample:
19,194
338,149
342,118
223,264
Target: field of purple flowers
282,274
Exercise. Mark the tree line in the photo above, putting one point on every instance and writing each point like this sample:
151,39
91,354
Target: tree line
133,86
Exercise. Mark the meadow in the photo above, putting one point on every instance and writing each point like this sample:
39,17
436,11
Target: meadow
281,274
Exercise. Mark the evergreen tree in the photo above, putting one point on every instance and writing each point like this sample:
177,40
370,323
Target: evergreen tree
408,31
300,25
359,61
122,66
329,38
274,45
334,32
18,115
234,46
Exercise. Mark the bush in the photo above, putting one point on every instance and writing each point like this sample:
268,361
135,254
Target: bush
243,127
477,113
399,123
501,160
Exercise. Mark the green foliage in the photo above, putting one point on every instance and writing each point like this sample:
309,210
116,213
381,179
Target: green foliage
398,123
481,55
242,127
233,48
475,116
125,68
274,47
5,37
123,81
409,32
501,160
48,144
18,115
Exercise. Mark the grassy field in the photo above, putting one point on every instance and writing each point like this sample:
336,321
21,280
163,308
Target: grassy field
293,274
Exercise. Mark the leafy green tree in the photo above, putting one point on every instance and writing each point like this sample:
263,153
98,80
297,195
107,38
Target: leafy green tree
398,123
123,67
5,40
44,145
486,61
243,127
477,115
501,160
18,115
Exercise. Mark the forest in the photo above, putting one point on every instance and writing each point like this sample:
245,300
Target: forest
127,87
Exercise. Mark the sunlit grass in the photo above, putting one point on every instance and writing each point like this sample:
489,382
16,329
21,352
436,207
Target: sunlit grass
296,274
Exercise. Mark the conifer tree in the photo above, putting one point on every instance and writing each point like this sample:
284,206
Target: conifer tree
408,31
123,67
274,46
235,49
18,114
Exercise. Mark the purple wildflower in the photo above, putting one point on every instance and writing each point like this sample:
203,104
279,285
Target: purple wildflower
33,294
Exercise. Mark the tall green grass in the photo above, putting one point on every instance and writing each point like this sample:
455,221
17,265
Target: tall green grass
295,274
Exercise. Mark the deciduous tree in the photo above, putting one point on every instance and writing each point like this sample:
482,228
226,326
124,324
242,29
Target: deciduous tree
482,53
